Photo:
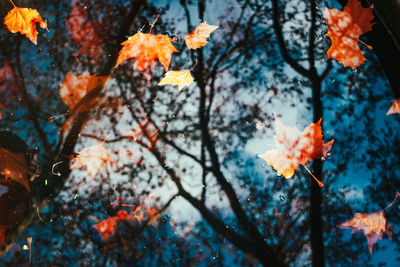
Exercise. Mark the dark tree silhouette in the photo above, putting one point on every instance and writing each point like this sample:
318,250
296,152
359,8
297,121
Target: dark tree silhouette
187,152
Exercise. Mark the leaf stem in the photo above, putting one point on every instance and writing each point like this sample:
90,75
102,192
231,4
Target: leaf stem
315,178
368,46
195,64
398,194
158,15
13,3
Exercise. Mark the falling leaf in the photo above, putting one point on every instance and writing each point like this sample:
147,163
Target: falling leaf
395,108
146,48
74,88
198,37
23,20
93,157
84,31
8,86
294,148
181,78
344,29
14,166
107,227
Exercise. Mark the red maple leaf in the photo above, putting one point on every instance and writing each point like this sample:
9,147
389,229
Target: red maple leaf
107,227
344,29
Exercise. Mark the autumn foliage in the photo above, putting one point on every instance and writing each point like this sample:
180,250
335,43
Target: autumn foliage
23,20
181,78
395,108
198,38
372,225
294,148
344,29
74,88
147,48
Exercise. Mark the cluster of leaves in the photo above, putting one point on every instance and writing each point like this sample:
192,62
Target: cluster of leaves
294,148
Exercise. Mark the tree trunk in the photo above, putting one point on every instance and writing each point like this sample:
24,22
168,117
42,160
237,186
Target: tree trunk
317,241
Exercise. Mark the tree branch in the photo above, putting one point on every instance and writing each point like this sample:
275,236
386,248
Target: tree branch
281,42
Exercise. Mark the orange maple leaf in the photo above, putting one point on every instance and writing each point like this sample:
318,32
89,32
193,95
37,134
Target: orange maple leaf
198,37
14,166
74,88
344,30
395,108
107,227
23,20
146,48
294,148
372,225
84,31
94,158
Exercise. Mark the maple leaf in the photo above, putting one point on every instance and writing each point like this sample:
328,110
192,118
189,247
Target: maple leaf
23,20
107,227
372,225
344,29
198,37
84,31
8,86
14,166
74,88
93,157
294,148
146,48
395,108
181,78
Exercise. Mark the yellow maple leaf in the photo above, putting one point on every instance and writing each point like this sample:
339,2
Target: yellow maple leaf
181,78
